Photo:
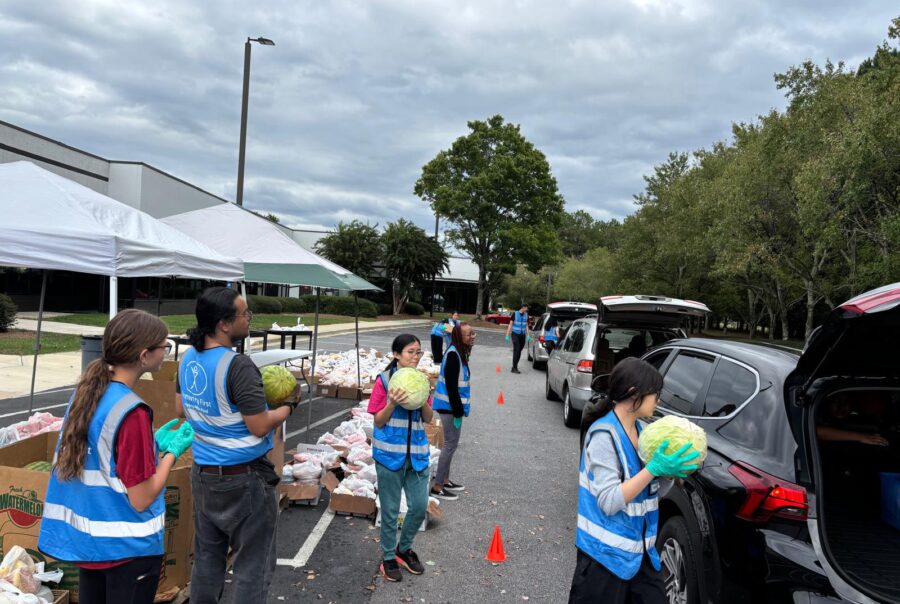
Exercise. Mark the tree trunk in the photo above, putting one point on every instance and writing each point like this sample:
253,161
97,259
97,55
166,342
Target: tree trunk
782,311
810,306
752,317
479,301
771,312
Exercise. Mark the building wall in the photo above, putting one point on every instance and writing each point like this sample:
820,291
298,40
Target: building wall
163,195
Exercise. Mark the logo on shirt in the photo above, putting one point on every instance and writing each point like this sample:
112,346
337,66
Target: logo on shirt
195,381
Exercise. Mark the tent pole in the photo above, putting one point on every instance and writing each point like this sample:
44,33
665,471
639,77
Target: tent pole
37,340
358,369
113,296
242,288
313,360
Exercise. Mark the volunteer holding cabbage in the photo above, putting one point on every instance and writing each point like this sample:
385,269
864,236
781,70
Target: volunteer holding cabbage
105,506
399,403
234,484
617,561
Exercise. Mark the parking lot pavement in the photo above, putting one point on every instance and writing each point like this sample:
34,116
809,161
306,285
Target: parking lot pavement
520,466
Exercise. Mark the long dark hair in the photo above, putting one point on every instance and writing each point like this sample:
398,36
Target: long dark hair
631,379
399,343
456,340
128,334
214,304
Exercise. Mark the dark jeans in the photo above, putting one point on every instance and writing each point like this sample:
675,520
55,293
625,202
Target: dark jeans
134,582
239,512
437,348
592,582
518,342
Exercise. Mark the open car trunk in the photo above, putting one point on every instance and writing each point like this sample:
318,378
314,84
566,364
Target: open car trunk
859,518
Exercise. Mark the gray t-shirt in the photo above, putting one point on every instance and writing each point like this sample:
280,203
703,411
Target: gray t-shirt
245,387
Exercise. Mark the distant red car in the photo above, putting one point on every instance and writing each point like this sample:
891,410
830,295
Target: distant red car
504,318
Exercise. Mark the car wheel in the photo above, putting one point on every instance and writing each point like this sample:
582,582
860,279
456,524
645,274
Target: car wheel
679,562
571,416
548,391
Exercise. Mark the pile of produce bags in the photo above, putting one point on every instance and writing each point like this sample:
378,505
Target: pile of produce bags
20,579
34,425
339,368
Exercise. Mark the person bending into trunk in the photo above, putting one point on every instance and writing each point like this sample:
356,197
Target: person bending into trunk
617,561
400,449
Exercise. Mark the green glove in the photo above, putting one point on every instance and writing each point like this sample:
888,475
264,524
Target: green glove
165,434
181,440
677,464
457,422
527,339
507,338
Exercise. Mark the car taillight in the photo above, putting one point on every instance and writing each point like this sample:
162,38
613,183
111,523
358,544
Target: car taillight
585,367
769,496
541,339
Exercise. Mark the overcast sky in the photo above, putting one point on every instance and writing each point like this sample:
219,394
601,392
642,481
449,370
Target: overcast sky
357,96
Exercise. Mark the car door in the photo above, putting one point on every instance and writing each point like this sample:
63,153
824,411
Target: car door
575,346
556,365
685,381
566,353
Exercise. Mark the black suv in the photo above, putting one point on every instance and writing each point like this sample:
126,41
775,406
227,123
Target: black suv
788,504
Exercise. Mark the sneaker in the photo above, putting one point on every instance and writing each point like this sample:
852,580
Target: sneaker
452,486
410,561
444,494
514,370
390,570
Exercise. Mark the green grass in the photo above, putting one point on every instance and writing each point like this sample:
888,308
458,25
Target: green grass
180,323
20,342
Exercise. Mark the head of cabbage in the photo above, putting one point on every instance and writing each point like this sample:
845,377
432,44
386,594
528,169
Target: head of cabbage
278,384
678,431
414,383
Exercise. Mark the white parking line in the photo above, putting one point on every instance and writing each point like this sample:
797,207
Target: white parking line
33,410
309,546
317,424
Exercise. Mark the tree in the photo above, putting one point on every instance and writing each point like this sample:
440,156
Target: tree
525,287
586,279
496,190
268,216
410,257
355,246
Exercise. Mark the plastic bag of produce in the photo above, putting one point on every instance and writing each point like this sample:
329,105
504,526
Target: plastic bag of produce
678,431
17,569
278,384
308,472
414,383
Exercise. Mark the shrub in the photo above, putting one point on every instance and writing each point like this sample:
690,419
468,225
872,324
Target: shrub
341,305
8,312
264,305
385,309
292,305
414,308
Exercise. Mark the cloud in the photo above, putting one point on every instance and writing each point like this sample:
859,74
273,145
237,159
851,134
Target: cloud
358,95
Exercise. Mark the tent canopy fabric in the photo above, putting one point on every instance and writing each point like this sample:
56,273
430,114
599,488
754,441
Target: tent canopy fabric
51,222
269,255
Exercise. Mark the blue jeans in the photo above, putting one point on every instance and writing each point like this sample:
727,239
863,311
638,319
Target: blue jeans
390,485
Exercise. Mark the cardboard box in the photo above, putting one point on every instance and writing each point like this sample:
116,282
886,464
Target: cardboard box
23,492
353,394
167,372
435,433
60,596
347,504
327,391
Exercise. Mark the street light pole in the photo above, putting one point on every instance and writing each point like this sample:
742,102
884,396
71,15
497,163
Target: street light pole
434,275
239,199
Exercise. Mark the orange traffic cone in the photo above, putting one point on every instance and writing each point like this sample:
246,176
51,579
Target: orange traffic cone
495,551
500,400
499,370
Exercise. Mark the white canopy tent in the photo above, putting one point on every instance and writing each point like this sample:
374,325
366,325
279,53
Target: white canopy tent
53,223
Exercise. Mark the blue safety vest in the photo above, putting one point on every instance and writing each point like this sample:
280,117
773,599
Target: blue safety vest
438,329
402,435
441,396
89,518
221,438
618,542
520,322
550,335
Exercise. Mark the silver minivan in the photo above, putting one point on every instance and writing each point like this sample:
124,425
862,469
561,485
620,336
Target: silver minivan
625,326
559,314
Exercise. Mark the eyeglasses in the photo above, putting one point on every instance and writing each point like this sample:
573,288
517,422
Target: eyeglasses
168,348
246,313
415,353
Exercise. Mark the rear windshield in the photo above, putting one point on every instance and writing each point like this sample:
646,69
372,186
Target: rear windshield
639,340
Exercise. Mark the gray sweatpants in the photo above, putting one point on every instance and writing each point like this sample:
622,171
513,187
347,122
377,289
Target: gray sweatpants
451,441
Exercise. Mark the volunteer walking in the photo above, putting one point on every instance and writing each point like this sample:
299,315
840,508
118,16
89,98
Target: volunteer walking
617,561
452,398
518,328
233,482
440,335
400,449
105,506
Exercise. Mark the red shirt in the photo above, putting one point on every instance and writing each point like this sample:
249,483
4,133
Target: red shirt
135,455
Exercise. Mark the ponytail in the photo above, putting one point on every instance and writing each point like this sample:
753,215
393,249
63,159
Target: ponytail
74,441
214,304
197,336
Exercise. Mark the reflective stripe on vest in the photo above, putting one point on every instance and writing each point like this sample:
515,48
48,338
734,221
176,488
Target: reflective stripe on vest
221,437
618,542
89,518
438,329
441,400
403,431
520,322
